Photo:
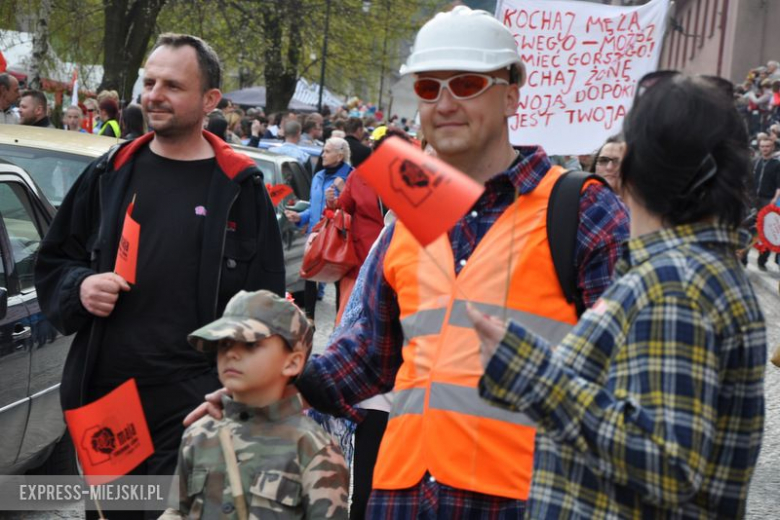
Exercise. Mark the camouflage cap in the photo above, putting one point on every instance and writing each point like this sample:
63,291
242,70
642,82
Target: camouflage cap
252,316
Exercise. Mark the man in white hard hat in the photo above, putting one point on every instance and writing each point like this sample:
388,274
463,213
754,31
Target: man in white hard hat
445,452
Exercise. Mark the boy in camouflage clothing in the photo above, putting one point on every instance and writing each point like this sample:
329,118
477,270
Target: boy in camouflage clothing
289,467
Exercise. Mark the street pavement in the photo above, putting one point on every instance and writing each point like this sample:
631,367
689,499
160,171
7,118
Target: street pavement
763,497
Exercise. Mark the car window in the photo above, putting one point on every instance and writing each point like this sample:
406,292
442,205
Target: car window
296,177
267,168
23,233
55,172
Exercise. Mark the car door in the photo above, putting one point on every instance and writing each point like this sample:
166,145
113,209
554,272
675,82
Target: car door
15,336
31,219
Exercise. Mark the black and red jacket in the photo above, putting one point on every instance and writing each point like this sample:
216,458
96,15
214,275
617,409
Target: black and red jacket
84,237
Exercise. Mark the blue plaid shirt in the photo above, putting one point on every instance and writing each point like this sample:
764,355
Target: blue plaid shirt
652,407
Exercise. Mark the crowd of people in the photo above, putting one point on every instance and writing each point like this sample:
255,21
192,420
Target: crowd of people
480,389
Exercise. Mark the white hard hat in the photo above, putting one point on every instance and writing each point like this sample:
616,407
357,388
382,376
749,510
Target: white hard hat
464,39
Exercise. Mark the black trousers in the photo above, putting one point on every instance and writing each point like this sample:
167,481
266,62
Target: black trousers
309,298
310,291
165,407
368,437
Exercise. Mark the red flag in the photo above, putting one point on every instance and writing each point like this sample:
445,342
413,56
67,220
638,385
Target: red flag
127,255
111,435
427,194
3,63
278,192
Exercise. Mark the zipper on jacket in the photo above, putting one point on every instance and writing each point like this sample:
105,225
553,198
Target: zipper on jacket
222,254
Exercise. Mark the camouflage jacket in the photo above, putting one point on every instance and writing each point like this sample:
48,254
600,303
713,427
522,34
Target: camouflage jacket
290,468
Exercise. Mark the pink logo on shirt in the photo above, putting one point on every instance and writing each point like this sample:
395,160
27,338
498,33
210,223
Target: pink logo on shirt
200,211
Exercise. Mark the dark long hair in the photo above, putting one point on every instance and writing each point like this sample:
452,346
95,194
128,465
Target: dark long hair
132,122
686,153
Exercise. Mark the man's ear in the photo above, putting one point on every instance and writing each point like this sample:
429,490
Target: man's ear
294,364
210,99
512,97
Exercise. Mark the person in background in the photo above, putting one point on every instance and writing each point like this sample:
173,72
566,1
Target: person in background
766,179
217,125
258,129
335,162
290,148
356,131
91,115
102,96
73,119
606,161
653,405
132,122
312,130
9,95
359,200
33,109
109,115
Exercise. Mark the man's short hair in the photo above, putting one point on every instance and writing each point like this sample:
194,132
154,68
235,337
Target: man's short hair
37,95
5,80
353,125
766,138
208,61
292,128
75,107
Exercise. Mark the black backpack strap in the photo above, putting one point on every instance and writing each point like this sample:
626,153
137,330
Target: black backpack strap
563,222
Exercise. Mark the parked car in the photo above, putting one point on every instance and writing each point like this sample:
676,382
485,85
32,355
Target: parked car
54,158
32,352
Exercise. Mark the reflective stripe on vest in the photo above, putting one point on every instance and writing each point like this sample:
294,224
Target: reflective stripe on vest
453,398
431,321
438,422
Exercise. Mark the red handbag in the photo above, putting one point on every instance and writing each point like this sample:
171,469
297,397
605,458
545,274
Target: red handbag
329,253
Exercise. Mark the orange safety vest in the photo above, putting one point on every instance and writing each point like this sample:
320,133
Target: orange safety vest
438,422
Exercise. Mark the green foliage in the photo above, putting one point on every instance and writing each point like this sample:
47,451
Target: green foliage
362,44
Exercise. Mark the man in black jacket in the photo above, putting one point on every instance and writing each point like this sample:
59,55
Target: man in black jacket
355,132
766,172
208,230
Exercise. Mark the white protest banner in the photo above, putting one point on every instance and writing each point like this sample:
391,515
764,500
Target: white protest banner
583,62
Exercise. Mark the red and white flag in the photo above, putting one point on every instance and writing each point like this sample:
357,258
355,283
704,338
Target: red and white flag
74,99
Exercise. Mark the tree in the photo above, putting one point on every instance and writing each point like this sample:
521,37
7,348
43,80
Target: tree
129,25
40,44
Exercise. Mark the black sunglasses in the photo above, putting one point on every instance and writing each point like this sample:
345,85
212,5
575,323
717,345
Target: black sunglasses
660,76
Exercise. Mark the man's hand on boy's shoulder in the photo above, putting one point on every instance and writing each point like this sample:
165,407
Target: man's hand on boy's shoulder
213,405
326,485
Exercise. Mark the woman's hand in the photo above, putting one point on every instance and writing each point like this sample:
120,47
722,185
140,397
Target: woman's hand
339,183
490,331
212,406
292,216
330,194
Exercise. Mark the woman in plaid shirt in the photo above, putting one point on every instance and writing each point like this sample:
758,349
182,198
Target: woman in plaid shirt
652,407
